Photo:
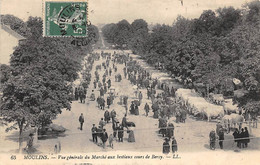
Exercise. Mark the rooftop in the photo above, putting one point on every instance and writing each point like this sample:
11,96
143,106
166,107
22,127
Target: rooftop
11,32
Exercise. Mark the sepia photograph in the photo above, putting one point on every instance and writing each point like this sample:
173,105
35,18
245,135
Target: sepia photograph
130,82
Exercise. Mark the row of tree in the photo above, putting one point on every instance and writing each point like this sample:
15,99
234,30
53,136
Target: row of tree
210,50
37,84
125,35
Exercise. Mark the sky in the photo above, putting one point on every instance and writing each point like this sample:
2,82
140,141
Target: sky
112,11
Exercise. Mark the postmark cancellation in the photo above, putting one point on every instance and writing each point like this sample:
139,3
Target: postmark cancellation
65,18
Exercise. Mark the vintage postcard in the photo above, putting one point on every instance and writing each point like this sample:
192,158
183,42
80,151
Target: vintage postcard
130,82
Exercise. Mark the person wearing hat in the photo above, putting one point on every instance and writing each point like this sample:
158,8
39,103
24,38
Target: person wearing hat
174,145
166,146
94,133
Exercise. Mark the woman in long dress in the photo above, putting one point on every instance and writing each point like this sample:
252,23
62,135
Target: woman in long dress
131,136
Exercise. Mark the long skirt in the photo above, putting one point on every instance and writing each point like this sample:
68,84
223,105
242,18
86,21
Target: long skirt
131,136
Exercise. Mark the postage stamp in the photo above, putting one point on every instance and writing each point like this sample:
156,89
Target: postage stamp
65,19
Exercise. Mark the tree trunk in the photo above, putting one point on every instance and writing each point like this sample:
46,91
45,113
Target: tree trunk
20,144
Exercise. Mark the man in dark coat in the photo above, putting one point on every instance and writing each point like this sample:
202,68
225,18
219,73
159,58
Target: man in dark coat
102,103
94,133
146,108
107,116
120,133
124,122
81,95
81,120
166,146
236,135
113,115
246,136
243,138
221,138
104,138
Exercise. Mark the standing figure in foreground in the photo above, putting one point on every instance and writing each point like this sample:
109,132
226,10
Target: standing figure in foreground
94,133
81,120
174,145
166,146
212,140
221,138
104,138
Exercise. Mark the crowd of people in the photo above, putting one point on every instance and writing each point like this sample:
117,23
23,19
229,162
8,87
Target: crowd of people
164,104
104,86
241,137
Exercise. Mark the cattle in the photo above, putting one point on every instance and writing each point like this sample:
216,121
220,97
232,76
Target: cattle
230,121
229,107
213,111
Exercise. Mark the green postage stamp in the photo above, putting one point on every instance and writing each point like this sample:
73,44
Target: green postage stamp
65,19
